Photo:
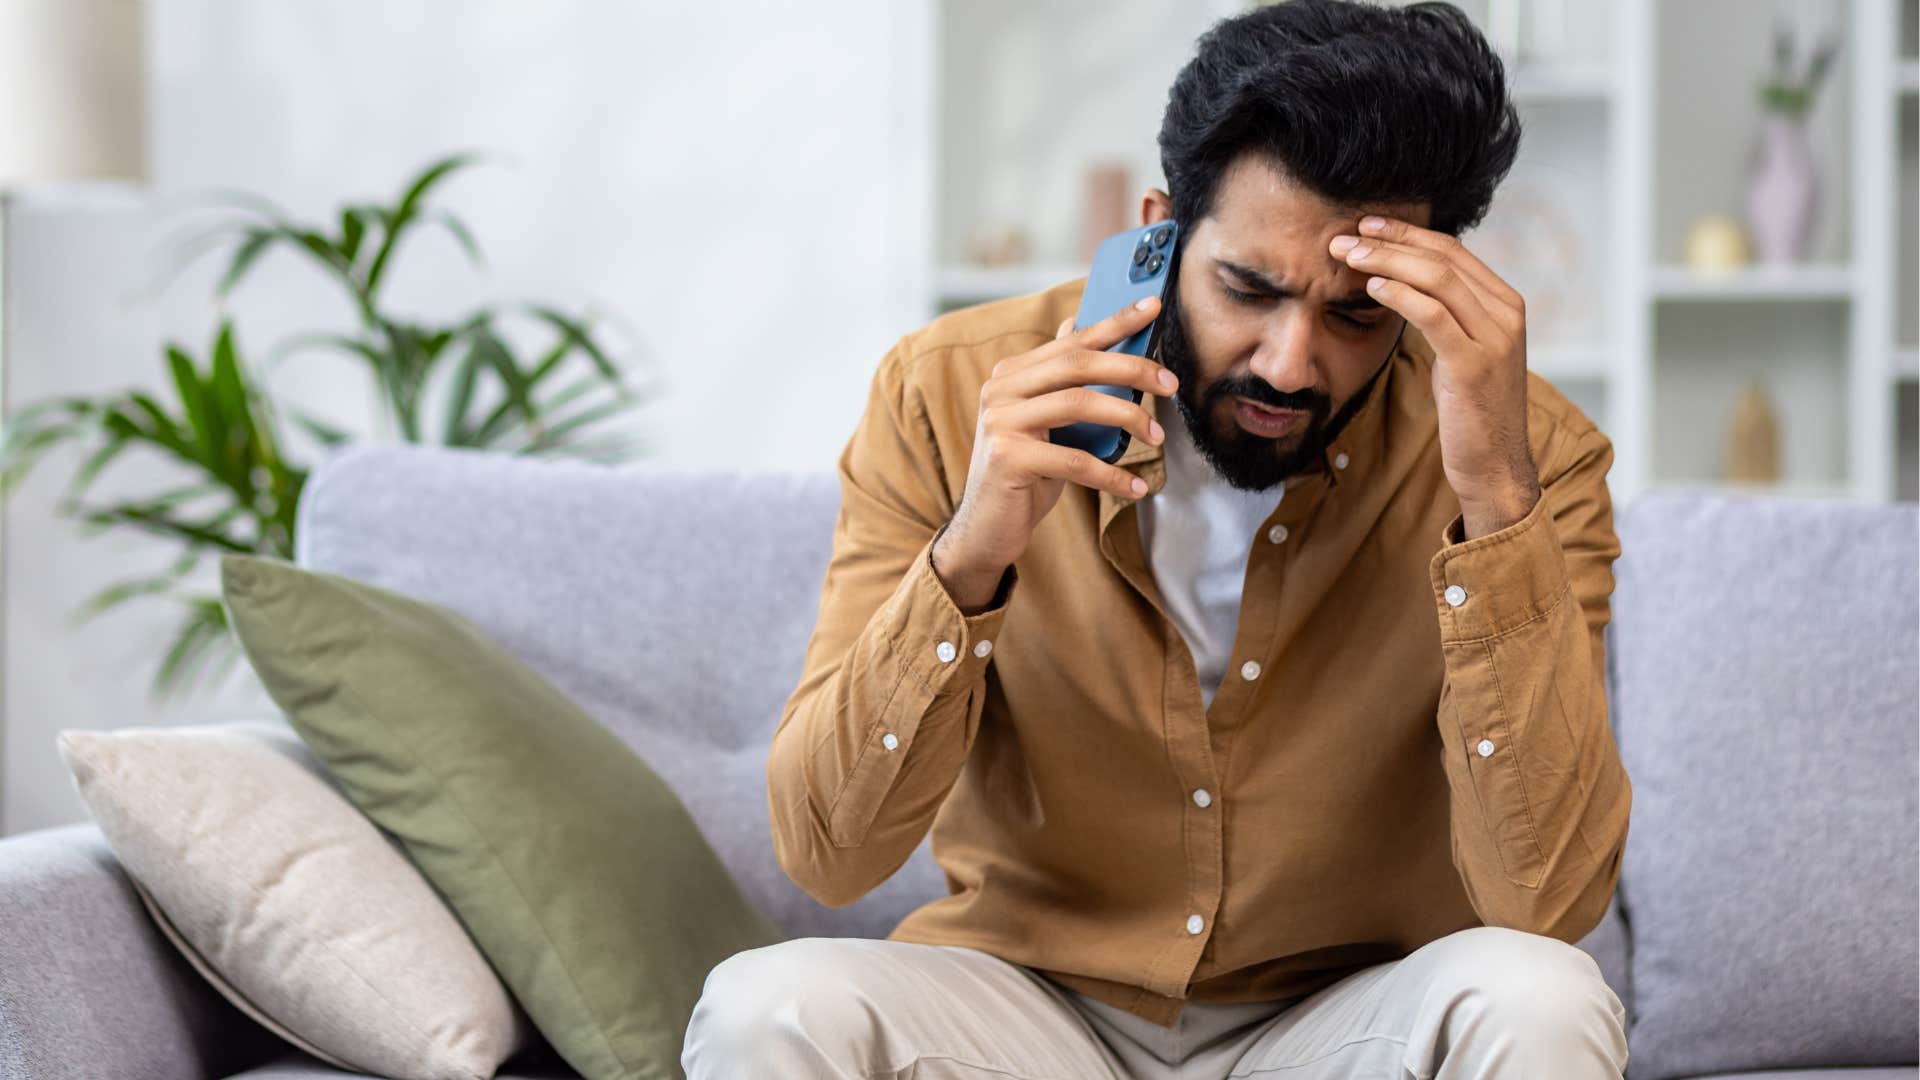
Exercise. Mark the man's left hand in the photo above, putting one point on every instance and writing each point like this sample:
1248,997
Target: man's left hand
1477,325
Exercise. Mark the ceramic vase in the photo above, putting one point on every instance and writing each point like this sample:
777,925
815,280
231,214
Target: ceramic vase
1781,191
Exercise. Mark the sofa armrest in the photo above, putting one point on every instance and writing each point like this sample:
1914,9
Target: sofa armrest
88,987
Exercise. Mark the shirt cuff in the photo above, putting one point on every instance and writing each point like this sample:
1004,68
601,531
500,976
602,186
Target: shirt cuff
1492,584
937,643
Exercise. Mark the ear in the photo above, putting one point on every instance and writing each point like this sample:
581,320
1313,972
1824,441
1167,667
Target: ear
1155,206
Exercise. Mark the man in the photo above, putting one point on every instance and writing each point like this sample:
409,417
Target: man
1280,745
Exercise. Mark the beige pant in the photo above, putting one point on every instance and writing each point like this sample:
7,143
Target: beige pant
1484,1002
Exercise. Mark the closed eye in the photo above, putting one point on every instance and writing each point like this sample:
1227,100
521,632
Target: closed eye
1242,297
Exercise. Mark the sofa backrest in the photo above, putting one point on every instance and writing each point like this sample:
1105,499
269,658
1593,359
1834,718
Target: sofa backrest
673,606
1765,697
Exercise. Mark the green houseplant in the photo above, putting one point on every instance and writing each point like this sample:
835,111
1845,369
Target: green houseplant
218,423
1783,94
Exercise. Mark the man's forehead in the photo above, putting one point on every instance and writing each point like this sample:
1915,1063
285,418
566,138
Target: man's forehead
1257,194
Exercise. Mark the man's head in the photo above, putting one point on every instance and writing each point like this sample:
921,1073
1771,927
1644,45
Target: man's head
1291,123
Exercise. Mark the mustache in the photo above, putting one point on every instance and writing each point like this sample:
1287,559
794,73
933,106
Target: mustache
1262,392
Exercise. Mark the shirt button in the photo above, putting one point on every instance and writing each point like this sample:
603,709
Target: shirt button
1277,534
945,651
982,647
1485,747
1340,461
1195,924
1250,670
1456,595
890,741
1201,798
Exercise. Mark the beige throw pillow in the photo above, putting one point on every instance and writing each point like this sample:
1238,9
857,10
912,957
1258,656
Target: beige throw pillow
302,911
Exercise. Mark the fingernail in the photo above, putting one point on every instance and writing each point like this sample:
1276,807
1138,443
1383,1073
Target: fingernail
1139,486
1144,303
1372,221
1359,252
1166,379
1153,426
1342,243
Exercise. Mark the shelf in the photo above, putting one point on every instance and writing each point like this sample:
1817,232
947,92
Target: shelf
974,284
1802,281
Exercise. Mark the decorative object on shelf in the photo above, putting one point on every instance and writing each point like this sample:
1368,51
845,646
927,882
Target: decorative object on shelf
1108,186
1783,188
219,423
1717,244
1753,439
998,243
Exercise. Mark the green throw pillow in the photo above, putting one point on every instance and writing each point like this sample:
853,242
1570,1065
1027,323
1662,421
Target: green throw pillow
574,867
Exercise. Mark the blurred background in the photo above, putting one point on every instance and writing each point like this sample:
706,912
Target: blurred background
236,237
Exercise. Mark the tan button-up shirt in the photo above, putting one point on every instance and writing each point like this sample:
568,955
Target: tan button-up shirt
1411,738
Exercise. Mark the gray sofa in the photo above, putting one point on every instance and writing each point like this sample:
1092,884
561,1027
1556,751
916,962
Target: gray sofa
1764,662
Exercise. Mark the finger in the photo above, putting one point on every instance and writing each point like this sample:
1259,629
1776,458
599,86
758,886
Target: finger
1075,404
1433,318
1085,367
1108,332
1488,301
1066,325
1042,458
1120,325
1434,277
1405,232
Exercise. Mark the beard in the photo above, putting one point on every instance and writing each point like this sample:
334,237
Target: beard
1244,460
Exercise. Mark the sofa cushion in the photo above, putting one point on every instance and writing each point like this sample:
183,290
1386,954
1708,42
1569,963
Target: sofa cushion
1764,675
573,867
673,605
290,902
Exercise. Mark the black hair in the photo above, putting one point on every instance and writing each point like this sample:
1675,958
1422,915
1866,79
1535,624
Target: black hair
1356,102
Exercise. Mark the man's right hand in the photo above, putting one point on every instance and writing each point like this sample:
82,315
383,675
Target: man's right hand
1017,472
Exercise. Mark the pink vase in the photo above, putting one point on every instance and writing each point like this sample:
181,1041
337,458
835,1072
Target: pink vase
1781,191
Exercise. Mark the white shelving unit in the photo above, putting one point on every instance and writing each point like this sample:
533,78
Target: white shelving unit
1900,202
1629,138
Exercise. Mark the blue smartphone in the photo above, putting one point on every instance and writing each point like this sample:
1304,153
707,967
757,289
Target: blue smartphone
1127,266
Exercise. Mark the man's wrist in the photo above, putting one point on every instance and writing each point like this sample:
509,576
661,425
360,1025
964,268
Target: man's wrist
973,589
1500,509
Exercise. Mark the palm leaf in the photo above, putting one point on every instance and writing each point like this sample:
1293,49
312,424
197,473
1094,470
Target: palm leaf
249,250
200,634
114,595
403,214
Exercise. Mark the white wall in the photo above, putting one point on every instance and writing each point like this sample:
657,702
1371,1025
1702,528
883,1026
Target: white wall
744,183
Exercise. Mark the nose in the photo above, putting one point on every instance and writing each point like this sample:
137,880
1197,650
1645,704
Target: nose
1284,354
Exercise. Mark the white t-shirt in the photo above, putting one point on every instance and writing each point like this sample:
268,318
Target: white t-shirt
1197,531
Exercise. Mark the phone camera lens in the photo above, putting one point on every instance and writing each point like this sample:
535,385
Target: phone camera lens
1160,238
1139,254
1153,264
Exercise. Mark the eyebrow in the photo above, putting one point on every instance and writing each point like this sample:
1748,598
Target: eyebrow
1259,282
